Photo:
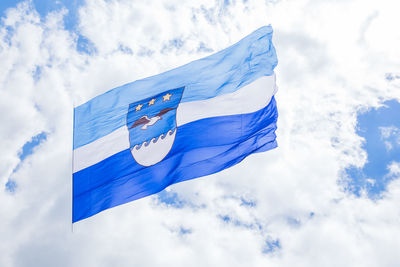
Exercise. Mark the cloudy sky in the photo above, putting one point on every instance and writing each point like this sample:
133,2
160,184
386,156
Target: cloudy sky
328,196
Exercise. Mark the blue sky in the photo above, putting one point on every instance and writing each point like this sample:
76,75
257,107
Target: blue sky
27,150
380,128
71,19
43,7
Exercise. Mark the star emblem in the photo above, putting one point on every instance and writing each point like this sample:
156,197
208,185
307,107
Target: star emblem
167,97
138,107
151,102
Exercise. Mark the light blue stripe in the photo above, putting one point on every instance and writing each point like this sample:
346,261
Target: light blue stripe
224,72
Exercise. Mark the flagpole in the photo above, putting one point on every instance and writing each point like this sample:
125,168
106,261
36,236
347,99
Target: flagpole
72,165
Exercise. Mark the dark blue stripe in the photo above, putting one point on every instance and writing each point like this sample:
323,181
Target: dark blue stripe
201,148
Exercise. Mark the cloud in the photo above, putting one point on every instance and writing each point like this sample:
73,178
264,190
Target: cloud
394,168
333,62
387,132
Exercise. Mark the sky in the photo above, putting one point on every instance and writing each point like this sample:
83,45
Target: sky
327,196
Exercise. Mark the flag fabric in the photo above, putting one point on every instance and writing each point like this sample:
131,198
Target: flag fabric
192,121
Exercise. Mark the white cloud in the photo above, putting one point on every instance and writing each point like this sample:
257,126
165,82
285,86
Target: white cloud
333,58
394,168
388,132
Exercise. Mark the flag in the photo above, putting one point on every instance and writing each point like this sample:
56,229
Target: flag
192,121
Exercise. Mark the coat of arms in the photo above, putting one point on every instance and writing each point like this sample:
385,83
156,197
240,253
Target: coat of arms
152,126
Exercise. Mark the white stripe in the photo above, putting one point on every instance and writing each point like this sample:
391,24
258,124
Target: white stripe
101,148
247,99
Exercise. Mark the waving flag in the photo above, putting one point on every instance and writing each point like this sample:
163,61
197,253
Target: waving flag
192,121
